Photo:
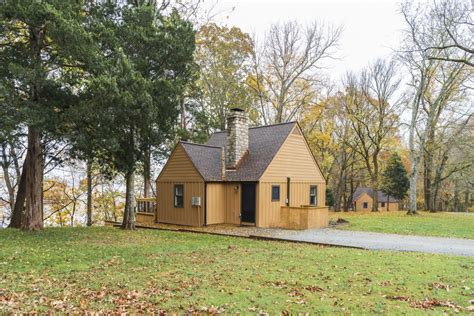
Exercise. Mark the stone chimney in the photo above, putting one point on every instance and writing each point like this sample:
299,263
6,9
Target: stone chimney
237,137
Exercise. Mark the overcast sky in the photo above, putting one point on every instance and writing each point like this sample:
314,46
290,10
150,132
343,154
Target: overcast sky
371,28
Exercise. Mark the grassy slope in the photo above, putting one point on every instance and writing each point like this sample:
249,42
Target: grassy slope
108,269
428,224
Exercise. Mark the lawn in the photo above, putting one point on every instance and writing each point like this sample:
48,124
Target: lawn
441,224
106,269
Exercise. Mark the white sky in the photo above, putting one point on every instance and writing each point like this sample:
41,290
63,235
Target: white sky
371,28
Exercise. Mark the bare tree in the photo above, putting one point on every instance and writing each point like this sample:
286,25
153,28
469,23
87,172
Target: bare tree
373,109
454,38
433,83
292,56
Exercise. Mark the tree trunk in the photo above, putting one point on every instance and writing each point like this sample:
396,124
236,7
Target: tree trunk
338,194
15,220
89,193
32,218
6,176
466,201
427,182
456,200
375,197
412,194
147,174
129,212
375,181
388,202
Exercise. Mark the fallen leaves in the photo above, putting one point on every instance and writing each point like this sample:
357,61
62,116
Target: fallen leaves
440,286
426,303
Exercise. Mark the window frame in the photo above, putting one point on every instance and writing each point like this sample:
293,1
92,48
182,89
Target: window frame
276,186
315,187
382,204
175,196
365,204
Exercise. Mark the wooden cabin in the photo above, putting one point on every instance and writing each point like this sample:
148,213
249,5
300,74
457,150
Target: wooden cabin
362,200
264,176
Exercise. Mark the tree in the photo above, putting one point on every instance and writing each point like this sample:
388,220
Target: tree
286,72
373,112
395,179
331,138
223,55
453,26
435,85
41,43
132,103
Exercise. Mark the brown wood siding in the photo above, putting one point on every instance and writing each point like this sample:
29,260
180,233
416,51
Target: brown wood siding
187,215
269,211
215,203
232,203
179,168
293,160
223,203
145,218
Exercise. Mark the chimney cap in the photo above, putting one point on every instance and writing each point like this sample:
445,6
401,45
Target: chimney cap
236,109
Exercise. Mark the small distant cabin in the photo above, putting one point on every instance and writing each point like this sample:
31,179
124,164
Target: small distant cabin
263,176
362,200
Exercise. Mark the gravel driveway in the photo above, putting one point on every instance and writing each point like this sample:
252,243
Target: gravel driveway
374,241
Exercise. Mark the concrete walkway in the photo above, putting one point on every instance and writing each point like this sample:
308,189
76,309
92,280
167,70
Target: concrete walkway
373,241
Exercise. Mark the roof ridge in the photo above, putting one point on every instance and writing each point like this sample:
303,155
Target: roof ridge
196,144
261,126
277,124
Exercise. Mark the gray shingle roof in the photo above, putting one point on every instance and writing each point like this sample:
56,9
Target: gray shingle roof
206,159
382,197
264,143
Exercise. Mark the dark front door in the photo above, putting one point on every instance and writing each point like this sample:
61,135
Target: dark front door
248,202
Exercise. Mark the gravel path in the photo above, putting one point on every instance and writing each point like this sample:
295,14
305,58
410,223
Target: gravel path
343,238
374,241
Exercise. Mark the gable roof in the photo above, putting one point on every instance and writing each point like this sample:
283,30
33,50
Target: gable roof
206,159
264,143
382,197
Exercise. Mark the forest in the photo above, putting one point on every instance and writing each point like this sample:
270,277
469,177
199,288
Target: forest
94,94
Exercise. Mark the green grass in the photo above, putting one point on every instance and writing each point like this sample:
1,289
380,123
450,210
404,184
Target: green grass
106,269
425,223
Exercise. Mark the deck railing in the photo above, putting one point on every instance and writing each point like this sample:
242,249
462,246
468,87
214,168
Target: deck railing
146,205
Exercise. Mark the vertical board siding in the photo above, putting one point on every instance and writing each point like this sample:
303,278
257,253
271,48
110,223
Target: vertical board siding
215,203
145,218
187,215
179,168
269,211
294,159
232,203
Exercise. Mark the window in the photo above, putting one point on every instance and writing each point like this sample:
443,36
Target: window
178,195
383,204
275,193
313,195
366,205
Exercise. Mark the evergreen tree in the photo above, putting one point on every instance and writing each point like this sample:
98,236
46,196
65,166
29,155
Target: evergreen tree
395,178
43,49
132,103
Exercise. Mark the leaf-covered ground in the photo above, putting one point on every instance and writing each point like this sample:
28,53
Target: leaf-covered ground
442,224
106,269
